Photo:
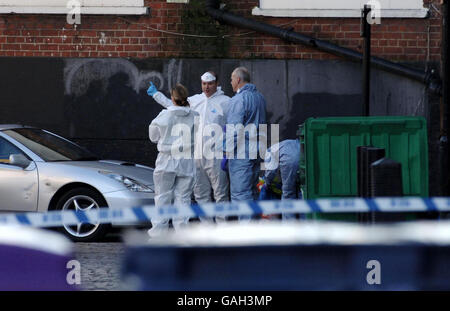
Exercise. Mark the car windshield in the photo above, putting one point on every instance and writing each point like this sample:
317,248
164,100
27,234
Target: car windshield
49,147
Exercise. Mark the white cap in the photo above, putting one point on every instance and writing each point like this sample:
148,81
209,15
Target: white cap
208,77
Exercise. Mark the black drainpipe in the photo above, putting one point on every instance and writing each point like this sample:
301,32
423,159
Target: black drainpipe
366,34
433,82
443,146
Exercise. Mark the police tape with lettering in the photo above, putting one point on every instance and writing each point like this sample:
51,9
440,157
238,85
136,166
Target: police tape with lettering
146,213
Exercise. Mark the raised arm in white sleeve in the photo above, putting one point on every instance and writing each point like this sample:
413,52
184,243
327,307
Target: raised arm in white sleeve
161,99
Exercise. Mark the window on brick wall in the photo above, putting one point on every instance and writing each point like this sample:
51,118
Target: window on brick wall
339,8
121,7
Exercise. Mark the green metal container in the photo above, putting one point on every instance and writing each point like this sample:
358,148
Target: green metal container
328,163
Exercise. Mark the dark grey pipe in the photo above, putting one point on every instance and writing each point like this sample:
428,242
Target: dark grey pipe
445,65
433,82
443,143
366,33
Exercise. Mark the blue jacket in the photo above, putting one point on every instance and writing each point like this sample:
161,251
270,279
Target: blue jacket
288,159
247,107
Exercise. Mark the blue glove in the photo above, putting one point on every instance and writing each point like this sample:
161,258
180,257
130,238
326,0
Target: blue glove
224,165
152,89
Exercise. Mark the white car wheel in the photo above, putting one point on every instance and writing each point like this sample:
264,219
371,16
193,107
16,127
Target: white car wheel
83,199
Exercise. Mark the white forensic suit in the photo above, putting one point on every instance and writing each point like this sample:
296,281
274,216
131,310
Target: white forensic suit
213,111
173,129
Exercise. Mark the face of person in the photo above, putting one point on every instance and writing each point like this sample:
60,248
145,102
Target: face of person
209,88
234,82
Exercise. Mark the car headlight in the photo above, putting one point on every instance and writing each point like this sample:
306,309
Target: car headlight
128,182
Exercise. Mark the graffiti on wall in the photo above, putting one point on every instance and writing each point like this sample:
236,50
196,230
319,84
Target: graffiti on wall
80,73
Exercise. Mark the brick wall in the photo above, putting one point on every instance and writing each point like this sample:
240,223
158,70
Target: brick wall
147,37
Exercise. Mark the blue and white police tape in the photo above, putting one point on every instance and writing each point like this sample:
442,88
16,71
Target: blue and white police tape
146,213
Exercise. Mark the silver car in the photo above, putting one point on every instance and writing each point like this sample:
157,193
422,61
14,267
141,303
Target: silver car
41,171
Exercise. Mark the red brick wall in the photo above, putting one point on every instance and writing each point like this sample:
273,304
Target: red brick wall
143,36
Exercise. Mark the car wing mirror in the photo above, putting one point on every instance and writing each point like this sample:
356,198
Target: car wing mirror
19,160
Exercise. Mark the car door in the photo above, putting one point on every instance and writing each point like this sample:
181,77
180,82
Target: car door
18,185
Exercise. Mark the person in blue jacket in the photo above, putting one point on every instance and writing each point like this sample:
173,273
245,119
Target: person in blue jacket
247,107
283,157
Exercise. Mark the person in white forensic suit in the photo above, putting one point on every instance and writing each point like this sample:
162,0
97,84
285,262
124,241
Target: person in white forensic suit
173,130
212,106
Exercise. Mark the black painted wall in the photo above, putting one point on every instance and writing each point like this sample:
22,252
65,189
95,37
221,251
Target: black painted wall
103,105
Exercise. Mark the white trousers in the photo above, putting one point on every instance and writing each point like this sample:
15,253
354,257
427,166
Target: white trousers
170,188
209,176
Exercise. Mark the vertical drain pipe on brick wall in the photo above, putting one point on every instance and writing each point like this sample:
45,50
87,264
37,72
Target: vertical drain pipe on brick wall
445,110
